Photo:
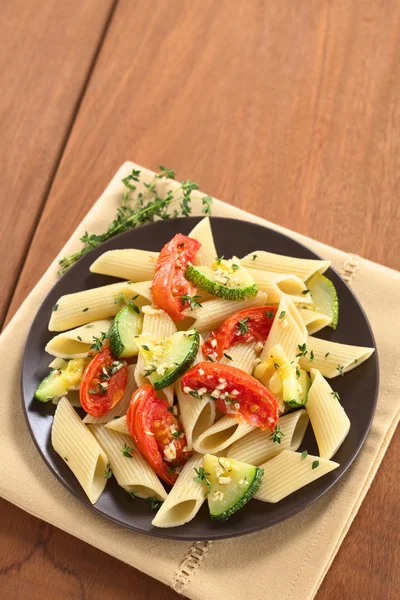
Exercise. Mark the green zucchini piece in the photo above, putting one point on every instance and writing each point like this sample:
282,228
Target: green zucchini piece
233,484
226,279
60,381
325,297
303,385
166,359
126,326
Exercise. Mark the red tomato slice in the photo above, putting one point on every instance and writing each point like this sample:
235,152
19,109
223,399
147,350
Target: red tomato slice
158,433
169,283
241,395
251,324
103,383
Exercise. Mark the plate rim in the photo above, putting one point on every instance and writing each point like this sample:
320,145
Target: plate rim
217,534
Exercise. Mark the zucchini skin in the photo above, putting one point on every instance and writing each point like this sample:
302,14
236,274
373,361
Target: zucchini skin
251,490
216,289
187,362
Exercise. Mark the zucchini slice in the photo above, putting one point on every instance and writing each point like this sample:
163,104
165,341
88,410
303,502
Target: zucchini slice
126,326
60,381
302,387
226,279
325,297
166,359
286,381
233,483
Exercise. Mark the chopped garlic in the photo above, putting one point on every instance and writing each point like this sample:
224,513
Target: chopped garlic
224,480
259,346
201,372
187,389
218,495
216,394
214,343
202,391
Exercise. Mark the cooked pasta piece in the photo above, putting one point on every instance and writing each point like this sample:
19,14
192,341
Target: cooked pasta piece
77,343
131,470
122,405
277,285
331,358
203,234
288,472
185,499
267,261
120,425
221,435
214,312
72,397
131,264
314,321
288,330
72,440
242,356
196,415
257,446
92,305
328,418
159,323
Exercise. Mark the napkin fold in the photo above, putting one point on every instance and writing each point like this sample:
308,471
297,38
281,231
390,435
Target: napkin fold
298,551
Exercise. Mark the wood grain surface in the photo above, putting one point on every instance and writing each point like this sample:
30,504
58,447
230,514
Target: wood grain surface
290,110
46,52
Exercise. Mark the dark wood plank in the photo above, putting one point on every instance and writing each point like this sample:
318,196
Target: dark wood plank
290,111
46,52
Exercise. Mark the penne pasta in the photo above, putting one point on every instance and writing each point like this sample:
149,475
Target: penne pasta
129,264
122,406
196,415
257,446
77,343
328,418
288,330
92,305
185,499
119,425
131,470
331,358
267,261
288,472
221,435
80,451
202,233
277,285
159,323
214,312
314,321
241,356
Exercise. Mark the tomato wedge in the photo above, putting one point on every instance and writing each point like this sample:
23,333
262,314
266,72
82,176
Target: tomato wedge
251,324
237,394
103,383
157,432
169,283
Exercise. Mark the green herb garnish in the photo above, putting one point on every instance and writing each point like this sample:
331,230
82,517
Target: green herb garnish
192,300
276,435
126,451
315,464
108,472
137,209
303,350
202,477
242,326
340,369
153,502
304,454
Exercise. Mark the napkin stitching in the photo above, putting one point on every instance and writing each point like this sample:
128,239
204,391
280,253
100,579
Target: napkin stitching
199,550
350,267
190,565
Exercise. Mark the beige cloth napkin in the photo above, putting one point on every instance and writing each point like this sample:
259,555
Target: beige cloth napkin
255,565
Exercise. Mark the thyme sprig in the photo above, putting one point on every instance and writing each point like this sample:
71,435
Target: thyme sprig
140,208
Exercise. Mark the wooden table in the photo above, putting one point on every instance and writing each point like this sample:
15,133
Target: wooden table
287,109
